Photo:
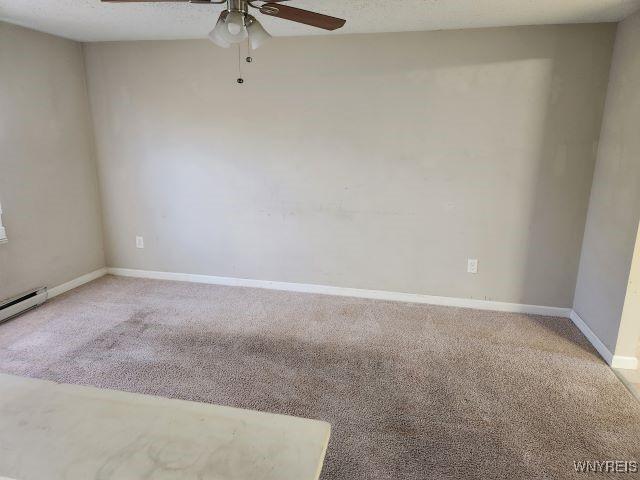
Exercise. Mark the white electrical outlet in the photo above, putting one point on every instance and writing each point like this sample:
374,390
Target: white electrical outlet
472,265
139,242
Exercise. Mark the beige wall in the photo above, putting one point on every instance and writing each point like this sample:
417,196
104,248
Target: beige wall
614,209
373,161
48,185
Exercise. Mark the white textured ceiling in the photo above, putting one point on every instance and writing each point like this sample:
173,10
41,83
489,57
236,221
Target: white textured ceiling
92,20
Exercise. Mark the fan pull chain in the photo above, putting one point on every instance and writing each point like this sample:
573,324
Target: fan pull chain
240,79
249,57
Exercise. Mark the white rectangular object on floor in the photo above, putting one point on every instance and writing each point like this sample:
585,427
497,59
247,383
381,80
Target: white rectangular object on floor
54,431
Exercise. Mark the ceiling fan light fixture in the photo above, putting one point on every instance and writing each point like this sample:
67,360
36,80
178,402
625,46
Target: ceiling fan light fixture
257,34
214,35
215,38
233,29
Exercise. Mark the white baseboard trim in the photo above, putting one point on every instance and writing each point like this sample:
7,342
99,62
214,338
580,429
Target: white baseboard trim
592,337
76,282
615,361
347,292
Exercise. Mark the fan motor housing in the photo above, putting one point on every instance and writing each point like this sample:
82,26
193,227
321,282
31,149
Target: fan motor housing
238,6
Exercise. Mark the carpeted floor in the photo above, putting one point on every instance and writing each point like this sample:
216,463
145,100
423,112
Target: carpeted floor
411,391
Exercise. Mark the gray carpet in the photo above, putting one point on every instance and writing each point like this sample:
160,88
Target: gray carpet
412,391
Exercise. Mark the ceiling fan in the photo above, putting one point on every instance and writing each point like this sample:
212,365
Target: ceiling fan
235,24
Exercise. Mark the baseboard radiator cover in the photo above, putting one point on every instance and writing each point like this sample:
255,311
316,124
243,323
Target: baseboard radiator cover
21,303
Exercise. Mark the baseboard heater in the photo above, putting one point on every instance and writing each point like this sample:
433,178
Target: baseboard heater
20,304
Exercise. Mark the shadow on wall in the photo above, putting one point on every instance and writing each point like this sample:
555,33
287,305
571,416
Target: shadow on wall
366,161
566,159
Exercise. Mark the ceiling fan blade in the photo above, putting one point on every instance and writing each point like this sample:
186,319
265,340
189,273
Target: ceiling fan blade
302,16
